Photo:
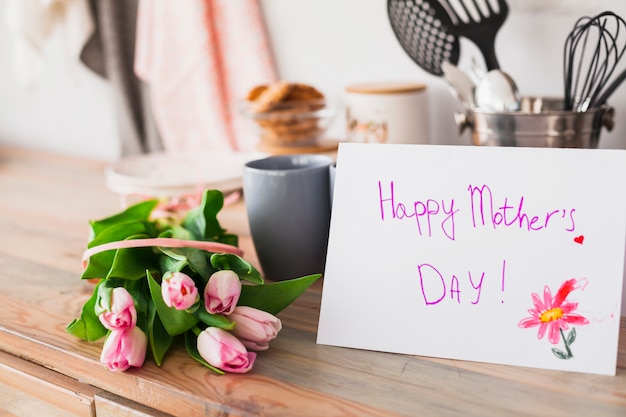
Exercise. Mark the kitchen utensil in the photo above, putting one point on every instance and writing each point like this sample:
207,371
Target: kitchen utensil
592,52
476,72
462,85
422,35
606,93
497,91
610,89
478,25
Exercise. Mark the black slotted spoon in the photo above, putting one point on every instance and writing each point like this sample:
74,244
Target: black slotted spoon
482,31
422,34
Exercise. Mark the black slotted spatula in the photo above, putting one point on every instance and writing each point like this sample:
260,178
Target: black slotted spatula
422,34
481,29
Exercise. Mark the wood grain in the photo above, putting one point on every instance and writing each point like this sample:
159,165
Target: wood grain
45,204
28,389
109,405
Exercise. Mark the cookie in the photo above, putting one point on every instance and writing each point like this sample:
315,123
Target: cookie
271,96
256,92
303,92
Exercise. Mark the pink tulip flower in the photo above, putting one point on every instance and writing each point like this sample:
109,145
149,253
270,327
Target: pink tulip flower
179,291
224,351
120,314
221,293
124,348
255,328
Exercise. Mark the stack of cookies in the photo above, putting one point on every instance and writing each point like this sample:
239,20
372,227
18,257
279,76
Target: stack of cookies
288,114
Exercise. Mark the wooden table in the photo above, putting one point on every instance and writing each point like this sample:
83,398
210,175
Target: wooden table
45,203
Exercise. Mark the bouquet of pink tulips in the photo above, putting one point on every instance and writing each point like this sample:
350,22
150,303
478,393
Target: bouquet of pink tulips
161,277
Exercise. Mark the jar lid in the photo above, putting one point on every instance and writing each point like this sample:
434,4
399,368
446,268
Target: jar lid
385,88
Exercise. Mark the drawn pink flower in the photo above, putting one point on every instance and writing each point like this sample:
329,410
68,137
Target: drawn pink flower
554,314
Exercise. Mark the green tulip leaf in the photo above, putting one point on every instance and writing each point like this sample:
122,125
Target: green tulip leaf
196,259
229,239
174,321
140,292
214,320
244,269
275,296
174,253
103,298
160,341
137,213
88,326
131,263
121,231
177,232
202,221
170,264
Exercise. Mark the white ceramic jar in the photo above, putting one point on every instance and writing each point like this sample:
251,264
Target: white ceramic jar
387,112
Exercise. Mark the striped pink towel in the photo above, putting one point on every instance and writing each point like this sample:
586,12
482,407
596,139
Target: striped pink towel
200,58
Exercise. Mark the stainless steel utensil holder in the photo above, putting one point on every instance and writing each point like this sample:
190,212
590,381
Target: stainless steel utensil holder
541,122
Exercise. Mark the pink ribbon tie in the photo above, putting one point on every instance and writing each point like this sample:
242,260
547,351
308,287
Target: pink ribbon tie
163,242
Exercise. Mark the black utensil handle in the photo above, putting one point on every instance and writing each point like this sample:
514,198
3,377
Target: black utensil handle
489,53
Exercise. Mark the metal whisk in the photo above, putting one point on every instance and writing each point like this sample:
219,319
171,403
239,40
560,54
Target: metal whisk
592,52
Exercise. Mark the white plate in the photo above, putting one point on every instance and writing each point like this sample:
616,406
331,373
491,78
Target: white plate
166,174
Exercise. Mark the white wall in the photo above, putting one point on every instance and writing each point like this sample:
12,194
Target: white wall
328,43
69,110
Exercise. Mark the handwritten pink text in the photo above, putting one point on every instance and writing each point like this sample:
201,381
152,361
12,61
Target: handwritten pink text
487,212
437,287
425,213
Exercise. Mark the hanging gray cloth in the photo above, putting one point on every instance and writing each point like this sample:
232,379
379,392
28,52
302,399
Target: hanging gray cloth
110,53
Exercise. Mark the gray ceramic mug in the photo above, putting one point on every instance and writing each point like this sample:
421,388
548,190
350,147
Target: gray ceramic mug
288,203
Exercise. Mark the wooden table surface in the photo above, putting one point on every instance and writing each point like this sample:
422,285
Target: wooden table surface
46,202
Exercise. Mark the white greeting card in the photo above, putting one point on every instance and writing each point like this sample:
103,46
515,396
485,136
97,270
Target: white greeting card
490,254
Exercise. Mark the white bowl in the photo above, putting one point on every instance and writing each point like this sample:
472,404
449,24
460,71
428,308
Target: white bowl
164,174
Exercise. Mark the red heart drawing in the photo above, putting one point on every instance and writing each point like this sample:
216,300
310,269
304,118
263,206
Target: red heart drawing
579,239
